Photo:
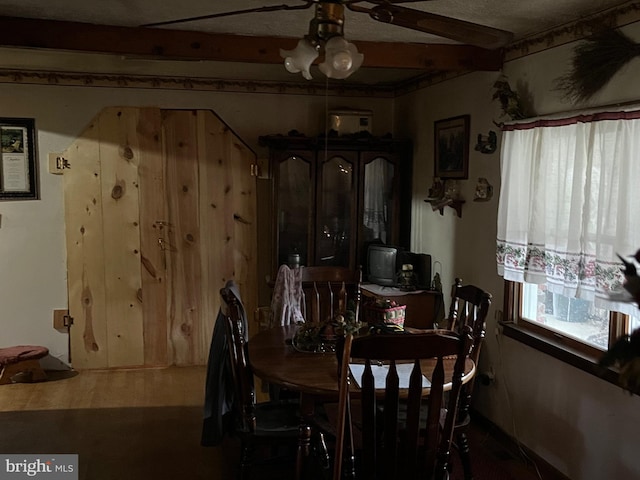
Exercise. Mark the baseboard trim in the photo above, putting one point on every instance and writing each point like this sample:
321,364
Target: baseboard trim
546,470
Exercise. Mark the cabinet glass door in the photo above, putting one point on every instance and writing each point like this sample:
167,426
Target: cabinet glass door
295,194
378,202
335,242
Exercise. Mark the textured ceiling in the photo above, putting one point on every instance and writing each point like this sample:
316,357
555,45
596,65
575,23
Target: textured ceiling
521,17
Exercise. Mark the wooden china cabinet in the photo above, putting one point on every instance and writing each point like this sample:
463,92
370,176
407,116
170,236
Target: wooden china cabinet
335,195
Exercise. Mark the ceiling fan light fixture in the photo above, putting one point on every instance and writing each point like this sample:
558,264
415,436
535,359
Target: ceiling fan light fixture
341,58
300,58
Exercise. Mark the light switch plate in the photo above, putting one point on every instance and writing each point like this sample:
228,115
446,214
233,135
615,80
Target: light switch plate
55,166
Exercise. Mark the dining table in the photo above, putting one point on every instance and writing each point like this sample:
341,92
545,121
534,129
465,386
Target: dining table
275,360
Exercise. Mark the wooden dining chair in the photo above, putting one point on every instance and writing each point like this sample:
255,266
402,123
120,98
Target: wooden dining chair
267,424
418,445
469,309
327,290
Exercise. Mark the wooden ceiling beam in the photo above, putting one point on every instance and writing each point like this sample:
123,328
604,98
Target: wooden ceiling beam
162,43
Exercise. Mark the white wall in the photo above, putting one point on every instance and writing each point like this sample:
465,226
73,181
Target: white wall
582,425
32,239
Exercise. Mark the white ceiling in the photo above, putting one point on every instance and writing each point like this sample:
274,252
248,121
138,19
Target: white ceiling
522,17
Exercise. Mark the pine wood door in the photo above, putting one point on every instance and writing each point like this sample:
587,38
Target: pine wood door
160,213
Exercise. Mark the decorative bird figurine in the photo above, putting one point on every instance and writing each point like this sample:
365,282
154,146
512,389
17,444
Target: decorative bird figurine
487,143
436,192
509,99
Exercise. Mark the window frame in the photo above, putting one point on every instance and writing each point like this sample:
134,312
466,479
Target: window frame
561,347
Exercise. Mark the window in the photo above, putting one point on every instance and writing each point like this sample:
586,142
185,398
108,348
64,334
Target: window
574,317
569,323
568,206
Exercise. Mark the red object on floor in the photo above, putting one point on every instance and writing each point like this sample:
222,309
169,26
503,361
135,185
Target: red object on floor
22,359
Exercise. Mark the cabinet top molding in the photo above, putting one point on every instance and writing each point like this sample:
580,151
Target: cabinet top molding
355,141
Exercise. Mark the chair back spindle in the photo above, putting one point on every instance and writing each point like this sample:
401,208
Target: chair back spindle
469,309
327,290
412,445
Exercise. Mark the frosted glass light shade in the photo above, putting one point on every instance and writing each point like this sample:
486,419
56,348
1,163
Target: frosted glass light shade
300,58
341,58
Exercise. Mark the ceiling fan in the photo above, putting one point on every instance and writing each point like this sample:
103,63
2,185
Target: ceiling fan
341,57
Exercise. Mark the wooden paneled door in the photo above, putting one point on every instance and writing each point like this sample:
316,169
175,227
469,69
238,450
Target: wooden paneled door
160,210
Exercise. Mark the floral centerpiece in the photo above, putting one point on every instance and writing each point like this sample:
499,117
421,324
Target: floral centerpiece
322,337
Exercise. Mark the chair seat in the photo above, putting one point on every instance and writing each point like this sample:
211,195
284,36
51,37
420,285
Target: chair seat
326,420
20,353
277,418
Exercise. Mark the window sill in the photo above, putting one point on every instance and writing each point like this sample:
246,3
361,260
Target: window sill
560,351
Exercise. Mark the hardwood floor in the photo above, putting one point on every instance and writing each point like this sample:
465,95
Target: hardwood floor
148,387
146,424
497,457
125,424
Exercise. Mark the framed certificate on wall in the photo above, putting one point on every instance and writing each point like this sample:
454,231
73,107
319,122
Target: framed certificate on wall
18,169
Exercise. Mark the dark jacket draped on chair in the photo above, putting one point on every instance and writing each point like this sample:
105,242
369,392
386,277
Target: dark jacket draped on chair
219,387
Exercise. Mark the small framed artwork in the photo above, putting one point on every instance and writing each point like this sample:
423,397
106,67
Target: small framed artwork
18,169
451,140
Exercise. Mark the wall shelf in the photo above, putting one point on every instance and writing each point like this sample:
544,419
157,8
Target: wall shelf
448,202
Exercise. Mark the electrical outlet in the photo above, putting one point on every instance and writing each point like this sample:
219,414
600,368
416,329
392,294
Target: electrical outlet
58,319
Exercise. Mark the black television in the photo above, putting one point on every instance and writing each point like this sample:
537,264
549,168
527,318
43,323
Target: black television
382,264
385,261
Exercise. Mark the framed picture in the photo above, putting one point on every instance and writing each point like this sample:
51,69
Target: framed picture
451,140
18,169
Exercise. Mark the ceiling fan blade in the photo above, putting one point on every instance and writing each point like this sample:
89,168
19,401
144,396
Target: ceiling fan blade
270,8
447,27
380,2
